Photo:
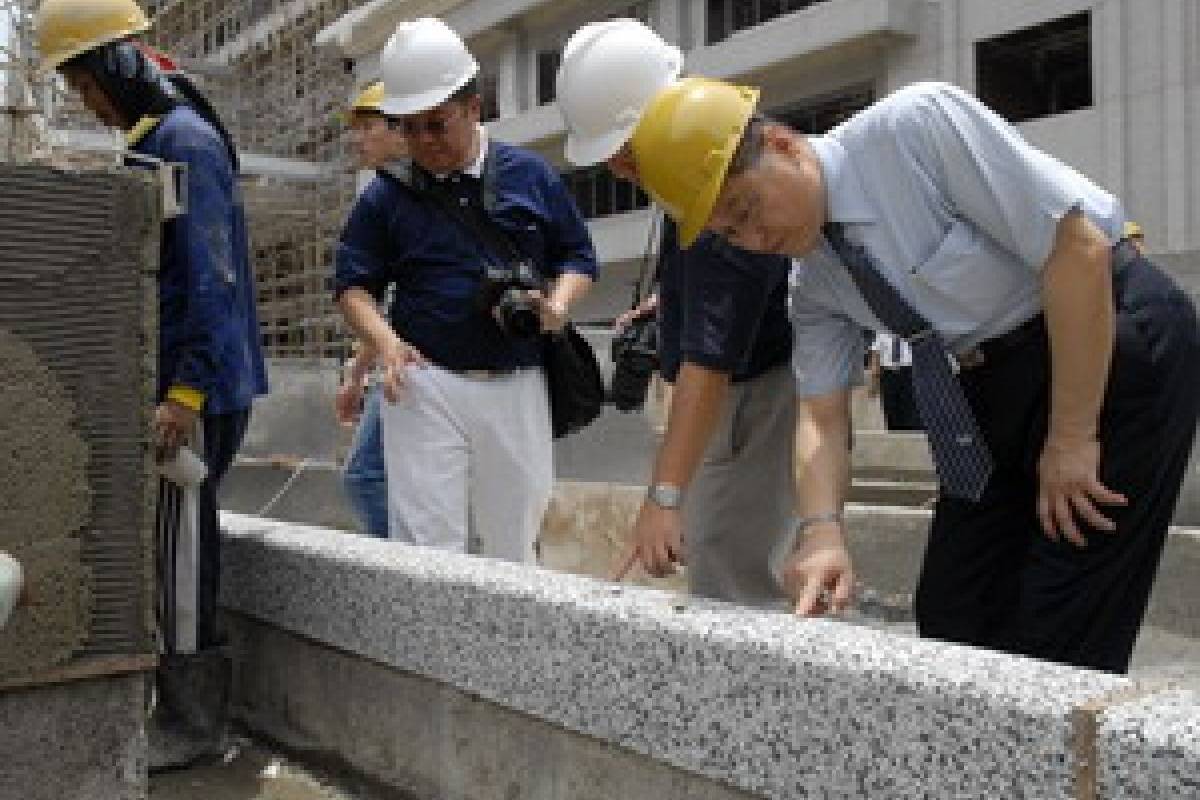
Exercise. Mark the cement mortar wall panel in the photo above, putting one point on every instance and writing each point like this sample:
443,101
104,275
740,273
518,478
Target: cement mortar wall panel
76,741
78,327
758,700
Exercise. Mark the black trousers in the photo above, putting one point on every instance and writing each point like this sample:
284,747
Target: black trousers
896,393
990,576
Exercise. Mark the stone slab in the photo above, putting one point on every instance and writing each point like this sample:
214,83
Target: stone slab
763,702
74,741
428,740
1150,748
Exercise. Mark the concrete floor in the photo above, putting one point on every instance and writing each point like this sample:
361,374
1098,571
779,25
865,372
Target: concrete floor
252,771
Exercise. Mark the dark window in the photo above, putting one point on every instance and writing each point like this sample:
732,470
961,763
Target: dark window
1038,71
547,67
726,17
599,194
819,114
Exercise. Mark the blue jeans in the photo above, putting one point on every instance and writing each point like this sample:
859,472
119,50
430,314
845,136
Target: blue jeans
365,477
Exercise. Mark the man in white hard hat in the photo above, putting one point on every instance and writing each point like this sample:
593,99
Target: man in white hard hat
485,250
375,140
722,490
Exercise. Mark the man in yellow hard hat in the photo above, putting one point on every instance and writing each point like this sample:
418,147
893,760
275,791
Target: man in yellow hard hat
1061,442
375,140
720,493
210,364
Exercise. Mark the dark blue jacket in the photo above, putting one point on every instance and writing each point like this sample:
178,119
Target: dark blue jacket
721,308
397,236
208,323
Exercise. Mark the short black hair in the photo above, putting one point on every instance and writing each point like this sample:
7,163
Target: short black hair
750,147
466,91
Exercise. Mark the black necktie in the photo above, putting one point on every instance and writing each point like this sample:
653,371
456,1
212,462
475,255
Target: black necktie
959,450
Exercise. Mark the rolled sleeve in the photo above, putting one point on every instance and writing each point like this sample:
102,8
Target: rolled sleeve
828,350
993,177
725,294
361,255
570,248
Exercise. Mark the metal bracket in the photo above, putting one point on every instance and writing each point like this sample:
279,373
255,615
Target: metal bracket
172,179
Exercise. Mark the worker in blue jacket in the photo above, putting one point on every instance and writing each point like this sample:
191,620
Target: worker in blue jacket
466,423
210,365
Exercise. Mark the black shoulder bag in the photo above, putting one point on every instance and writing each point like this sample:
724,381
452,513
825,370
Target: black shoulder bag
573,380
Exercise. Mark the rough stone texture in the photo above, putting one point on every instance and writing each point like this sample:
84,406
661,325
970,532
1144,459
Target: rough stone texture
74,741
429,740
51,629
1151,748
764,702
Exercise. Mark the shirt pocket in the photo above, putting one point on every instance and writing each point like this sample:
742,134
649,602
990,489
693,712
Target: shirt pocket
967,280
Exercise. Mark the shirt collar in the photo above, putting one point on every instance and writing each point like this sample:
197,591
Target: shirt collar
135,135
475,168
848,201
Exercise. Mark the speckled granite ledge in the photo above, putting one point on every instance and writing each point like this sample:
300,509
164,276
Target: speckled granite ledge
765,702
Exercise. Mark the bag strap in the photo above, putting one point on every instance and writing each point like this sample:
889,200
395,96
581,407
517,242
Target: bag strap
644,269
477,221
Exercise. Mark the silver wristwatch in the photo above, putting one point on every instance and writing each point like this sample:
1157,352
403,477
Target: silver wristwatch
665,495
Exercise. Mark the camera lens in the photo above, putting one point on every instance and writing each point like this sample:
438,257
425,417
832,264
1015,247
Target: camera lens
518,315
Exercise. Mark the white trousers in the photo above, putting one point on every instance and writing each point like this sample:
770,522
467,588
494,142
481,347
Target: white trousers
469,459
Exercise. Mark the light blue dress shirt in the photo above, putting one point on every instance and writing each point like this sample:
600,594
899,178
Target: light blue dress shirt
955,207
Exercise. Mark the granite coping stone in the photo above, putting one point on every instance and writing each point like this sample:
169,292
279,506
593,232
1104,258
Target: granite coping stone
1151,747
763,701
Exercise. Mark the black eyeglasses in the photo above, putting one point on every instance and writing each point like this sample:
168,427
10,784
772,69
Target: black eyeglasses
434,126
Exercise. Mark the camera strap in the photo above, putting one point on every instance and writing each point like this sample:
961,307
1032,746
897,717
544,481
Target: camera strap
472,216
647,254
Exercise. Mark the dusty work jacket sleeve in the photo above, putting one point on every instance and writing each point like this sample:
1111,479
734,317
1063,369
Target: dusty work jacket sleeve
200,273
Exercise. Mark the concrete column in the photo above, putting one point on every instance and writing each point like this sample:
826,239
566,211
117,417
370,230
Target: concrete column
1178,158
693,14
508,76
1108,57
666,16
952,41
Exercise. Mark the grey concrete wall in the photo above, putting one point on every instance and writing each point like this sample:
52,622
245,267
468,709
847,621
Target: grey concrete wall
430,740
764,702
74,741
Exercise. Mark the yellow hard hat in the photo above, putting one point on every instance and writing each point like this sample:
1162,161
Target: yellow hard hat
1131,230
67,28
683,145
369,99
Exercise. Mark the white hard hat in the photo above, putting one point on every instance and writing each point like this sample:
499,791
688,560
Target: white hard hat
609,71
422,65
11,581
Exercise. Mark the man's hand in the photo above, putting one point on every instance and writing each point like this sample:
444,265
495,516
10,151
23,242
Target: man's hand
394,360
818,575
347,403
1069,485
553,312
173,424
657,542
626,318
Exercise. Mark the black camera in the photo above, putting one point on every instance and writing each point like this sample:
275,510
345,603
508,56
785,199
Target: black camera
505,296
635,358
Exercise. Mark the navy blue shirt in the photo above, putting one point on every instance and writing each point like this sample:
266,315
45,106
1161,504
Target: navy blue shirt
396,236
721,308
208,322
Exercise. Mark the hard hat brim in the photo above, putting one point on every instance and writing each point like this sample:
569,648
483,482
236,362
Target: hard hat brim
423,101
586,152
49,64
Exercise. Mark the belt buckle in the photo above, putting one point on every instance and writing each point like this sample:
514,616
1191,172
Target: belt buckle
970,359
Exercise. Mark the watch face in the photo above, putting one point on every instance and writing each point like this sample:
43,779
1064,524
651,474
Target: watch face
665,496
